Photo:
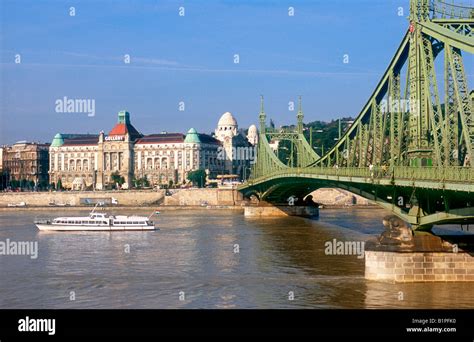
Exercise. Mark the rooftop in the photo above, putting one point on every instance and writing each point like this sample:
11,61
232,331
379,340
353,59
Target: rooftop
166,138
83,139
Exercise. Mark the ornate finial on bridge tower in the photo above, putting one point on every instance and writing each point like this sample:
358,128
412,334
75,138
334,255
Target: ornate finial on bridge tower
300,116
262,116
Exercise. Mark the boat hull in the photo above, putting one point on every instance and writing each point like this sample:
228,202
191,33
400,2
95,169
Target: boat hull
69,228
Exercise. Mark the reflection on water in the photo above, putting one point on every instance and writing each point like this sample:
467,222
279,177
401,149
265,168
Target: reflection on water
194,252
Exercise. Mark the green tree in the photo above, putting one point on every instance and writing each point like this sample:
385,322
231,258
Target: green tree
59,185
170,183
23,183
117,178
197,177
140,182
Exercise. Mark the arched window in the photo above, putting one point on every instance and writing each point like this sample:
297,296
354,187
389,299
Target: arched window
164,163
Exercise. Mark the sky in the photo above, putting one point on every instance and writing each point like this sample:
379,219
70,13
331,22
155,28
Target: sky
190,60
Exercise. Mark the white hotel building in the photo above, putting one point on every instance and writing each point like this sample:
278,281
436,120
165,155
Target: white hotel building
82,161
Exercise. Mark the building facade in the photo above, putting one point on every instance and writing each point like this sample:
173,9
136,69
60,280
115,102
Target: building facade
1,158
92,161
162,158
26,162
237,151
3,175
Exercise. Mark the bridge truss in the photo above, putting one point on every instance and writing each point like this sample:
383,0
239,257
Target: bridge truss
411,148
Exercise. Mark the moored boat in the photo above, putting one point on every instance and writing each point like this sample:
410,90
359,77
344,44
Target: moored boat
21,204
97,222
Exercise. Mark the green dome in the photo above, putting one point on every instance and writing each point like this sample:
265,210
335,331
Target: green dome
58,140
192,137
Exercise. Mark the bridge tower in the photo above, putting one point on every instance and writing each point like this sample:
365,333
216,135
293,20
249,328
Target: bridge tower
411,148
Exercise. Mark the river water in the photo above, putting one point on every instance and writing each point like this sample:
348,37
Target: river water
207,259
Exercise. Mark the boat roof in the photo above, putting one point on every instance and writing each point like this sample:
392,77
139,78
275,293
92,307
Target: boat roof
130,217
120,217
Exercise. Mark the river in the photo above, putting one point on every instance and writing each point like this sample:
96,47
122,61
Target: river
207,259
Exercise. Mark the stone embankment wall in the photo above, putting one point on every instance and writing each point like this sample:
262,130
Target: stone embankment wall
179,197
279,211
337,197
204,197
73,198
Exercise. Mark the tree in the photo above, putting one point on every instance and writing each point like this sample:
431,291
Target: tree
272,124
117,178
170,183
140,182
23,183
197,177
59,184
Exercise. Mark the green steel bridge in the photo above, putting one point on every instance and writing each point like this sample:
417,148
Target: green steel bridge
411,149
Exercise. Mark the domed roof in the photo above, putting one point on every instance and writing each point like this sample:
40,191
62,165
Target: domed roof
227,119
252,130
192,137
58,140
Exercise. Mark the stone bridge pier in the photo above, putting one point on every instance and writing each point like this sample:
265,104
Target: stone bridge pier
401,255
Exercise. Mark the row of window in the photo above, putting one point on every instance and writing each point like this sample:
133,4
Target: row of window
92,154
74,155
81,222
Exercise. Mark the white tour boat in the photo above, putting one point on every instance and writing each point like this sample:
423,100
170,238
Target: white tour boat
97,222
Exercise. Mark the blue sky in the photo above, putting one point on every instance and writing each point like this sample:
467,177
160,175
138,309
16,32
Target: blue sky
189,59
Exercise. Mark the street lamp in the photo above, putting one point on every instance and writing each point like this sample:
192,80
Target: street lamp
350,122
320,147
311,134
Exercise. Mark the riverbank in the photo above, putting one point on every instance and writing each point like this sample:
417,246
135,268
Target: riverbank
128,208
138,198
162,208
174,199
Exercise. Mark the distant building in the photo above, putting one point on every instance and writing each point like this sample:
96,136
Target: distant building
171,156
26,161
1,158
236,151
252,135
89,161
274,145
3,174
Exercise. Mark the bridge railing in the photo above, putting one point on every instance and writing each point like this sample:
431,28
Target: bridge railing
443,174
442,9
455,174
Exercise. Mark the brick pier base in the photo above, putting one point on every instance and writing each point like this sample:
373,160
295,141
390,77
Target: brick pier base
406,267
